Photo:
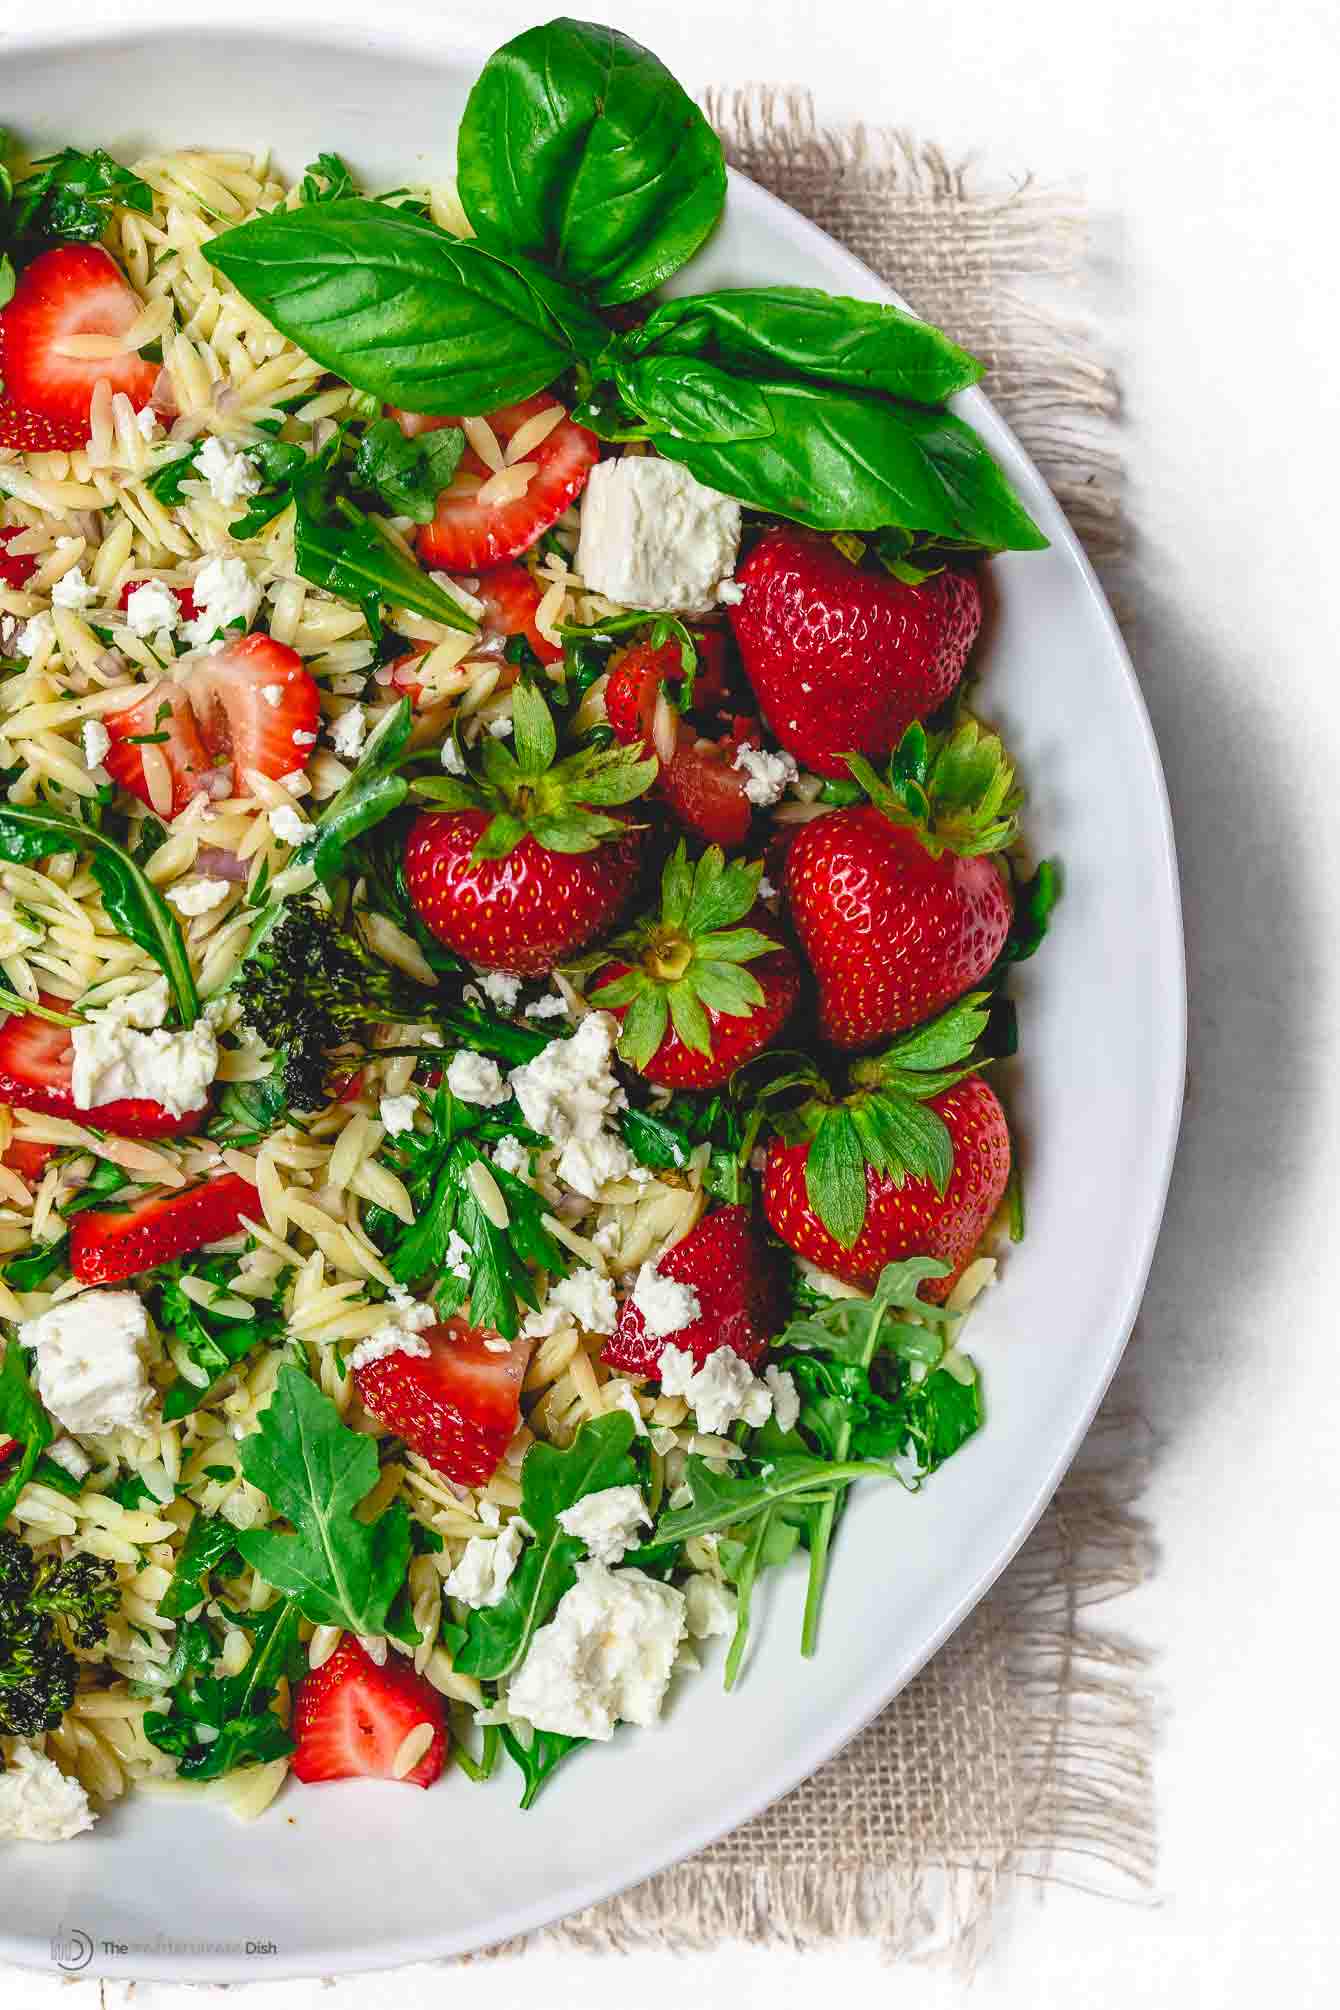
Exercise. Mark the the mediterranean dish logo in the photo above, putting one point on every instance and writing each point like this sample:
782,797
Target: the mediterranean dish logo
72,1949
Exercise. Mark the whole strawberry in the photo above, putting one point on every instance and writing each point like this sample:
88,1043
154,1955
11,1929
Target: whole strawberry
913,1163
897,902
842,656
523,865
727,1265
698,995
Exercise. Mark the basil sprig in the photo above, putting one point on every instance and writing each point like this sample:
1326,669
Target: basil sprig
580,150
31,831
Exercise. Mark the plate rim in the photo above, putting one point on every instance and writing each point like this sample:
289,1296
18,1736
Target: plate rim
341,28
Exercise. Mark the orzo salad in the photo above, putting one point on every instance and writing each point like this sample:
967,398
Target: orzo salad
505,911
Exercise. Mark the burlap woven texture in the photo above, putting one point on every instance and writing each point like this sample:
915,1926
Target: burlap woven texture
1023,1750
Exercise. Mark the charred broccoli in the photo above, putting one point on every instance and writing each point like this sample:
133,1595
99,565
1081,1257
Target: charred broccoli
41,1601
310,984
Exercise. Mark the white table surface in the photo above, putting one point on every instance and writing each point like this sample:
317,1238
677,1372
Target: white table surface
1204,134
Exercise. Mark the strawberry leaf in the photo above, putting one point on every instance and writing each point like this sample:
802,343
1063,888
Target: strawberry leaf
533,730
835,1176
644,1026
725,987
955,790
903,1139
689,1019
502,837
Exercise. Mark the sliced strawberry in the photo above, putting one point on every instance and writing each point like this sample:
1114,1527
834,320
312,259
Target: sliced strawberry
166,711
726,1262
37,1073
699,781
15,572
510,598
469,536
273,734
8,1447
185,599
107,1244
459,1406
351,1717
75,289
26,1157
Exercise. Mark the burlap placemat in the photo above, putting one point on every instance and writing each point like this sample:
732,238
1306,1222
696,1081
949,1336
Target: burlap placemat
1024,1749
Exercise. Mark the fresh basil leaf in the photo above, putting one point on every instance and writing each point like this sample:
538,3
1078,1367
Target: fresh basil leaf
720,1500
408,474
314,1470
23,1418
498,1636
579,149
30,831
208,1542
780,329
844,460
400,308
538,1758
692,399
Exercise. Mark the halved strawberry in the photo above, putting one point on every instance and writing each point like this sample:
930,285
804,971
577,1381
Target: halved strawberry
468,536
26,1157
15,572
256,703
162,718
37,1073
459,1406
75,289
727,1263
107,1244
698,781
185,599
351,1717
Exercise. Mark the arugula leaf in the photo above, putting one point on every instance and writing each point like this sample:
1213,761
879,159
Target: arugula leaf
343,551
23,1418
314,1470
208,1541
373,791
404,310
70,194
408,474
845,460
234,1713
326,179
721,1500
798,328
30,831
29,1271
771,1540
538,1758
931,1420
579,149
498,1636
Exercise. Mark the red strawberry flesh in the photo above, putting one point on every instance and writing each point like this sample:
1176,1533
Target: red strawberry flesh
467,535
108,1244
458,1407
727,1263
352,1715
72,290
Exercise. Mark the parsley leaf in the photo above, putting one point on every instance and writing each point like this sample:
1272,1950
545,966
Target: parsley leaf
70,193
326,179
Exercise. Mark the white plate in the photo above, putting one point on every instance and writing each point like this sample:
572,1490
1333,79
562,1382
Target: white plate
365,1875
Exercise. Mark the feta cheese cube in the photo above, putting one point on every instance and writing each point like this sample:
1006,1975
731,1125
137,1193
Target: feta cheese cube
569,1089
720,1393
96,742
588,1164
606,1656
607,1522
90,1356
38,1803
402,1333
585,1298
500,989
224,592
113,1059
288,826
652,536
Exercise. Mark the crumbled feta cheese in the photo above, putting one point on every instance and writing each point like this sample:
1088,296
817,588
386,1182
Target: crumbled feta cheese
230,473
768,773
500,989
348,733
652,536
151,607
199,896
224,592
474,1078
72,1457
551,1006
665,1304
398,1114
72,590
607,1522
482,1575
146,1008
456,1259
288,826
112,1059
623,1396
501,728
719,1393
301,739
585,1296
709,1608
35,635
569,1089
96,740
766,889
730,593
587,1164
38,1803
402,1334
452,759
146,422
785,1398
511,1156
605,1656
273,695
91,1371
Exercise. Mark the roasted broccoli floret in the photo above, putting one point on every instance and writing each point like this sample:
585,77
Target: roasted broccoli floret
44,1605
